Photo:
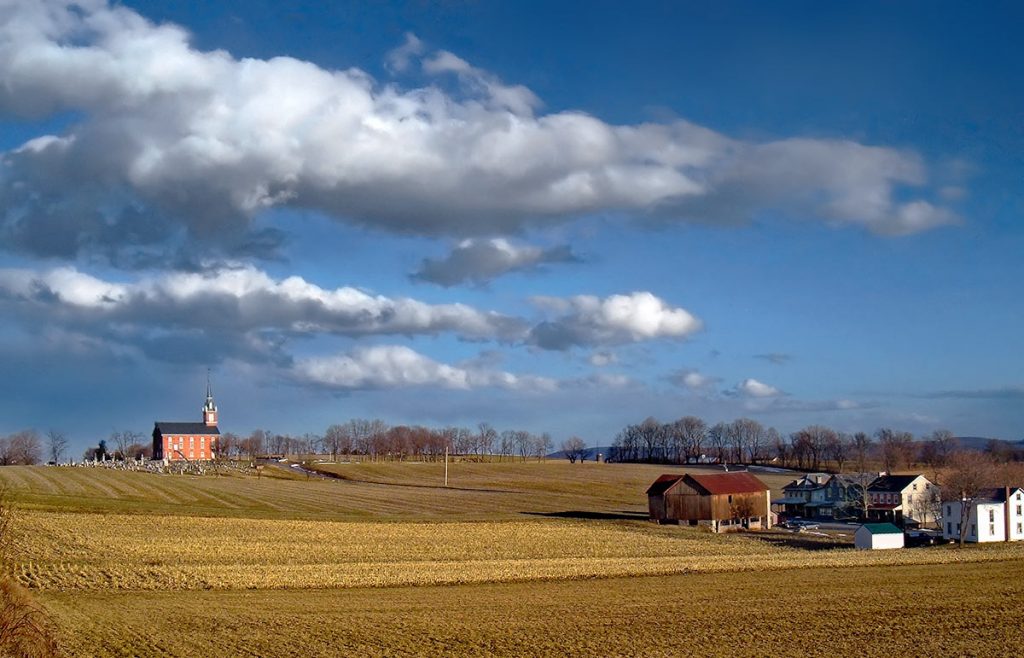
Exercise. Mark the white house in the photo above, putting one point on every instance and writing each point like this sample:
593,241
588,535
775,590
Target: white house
995,515
875,536
902,498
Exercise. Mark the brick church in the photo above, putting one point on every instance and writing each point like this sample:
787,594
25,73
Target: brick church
188,441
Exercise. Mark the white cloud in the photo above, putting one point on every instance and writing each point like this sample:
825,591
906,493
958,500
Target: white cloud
205,141
395,366
603,358
586,320
751,388
694,380
398,59
242,300
482,260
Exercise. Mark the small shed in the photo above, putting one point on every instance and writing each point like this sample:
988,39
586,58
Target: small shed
876,536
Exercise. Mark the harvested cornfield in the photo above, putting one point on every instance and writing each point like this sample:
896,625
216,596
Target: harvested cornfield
939,610
78,551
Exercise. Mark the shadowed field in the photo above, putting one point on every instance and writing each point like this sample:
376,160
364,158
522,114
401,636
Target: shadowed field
398,491
940,610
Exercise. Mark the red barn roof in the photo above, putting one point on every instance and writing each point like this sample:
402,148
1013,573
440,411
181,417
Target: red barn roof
710,483
663,484
726,483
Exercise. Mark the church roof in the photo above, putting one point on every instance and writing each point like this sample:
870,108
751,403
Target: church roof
185,428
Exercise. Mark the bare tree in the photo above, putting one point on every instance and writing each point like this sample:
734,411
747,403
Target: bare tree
58,443
694,432
542,445
719,440
968,473
837,448
574,448
24,447
334,438
936,451
897,448
124,442
485,439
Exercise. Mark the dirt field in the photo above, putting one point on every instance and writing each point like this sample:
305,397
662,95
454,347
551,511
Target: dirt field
941,610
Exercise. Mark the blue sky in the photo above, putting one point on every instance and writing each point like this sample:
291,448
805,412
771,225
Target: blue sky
553,216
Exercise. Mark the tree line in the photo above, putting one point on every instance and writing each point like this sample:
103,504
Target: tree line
375,440
815,447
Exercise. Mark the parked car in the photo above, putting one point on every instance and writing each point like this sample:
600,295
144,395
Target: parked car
806,525
923,538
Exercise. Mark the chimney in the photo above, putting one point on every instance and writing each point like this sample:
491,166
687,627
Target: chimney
1006,512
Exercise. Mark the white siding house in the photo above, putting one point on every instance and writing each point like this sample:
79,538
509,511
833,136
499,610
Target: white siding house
875,536
992,514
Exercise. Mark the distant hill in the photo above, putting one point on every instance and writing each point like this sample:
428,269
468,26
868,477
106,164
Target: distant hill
981,442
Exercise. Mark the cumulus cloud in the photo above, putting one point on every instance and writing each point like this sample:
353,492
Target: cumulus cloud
694,380
751,388
480,261
239,300
586,320
396,366
200,142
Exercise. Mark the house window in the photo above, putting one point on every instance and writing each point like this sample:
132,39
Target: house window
949,510
991,515
915,486
974,530
730,498
1018,510
949,527
992,529
1020,528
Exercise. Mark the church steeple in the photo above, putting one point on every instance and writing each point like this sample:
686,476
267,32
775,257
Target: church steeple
209,408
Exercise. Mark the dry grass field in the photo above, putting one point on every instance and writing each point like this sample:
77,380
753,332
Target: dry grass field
383,491
511,559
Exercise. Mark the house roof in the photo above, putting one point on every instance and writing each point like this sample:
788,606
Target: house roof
886,507
882,529
892,483
804,484
995,494
184,428
727,483
662,484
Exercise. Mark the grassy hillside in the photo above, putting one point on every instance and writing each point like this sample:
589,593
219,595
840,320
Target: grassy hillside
397,491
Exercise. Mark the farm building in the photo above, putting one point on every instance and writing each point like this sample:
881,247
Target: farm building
995,515
173,441
721,501
875,536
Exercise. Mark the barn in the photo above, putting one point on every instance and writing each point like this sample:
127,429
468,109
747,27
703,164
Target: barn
875,536
719,501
